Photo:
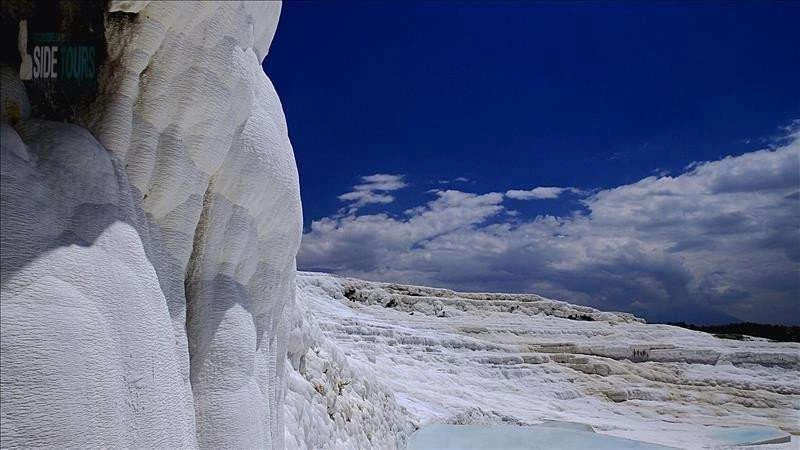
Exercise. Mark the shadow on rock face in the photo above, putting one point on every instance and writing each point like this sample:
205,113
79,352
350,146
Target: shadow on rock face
82,308
59,188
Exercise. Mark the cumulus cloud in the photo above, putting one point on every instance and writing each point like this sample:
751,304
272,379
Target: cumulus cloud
455,180
720,241
381,182
540,193
373,189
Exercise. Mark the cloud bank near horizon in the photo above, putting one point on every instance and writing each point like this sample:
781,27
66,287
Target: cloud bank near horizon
718,242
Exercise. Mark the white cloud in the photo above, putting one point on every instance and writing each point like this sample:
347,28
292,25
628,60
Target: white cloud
373,190
721,238
540,193
381,182
455,180
364,197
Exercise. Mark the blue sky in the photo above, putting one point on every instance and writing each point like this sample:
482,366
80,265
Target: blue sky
422,130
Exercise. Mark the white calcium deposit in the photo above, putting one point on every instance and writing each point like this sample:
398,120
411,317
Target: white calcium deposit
334,401
486,359
149,297
147,261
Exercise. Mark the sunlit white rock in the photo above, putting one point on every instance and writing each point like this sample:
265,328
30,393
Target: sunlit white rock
147,271
507,358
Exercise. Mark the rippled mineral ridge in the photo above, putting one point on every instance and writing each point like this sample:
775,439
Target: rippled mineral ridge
148,256
150,300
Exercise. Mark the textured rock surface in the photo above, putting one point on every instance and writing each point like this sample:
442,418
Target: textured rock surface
87,346
333,401
461,358
145,272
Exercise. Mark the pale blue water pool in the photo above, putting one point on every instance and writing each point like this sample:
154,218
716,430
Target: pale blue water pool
566,436
510,437
750,436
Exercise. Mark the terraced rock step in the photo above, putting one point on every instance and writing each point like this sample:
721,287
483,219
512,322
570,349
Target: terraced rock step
486,359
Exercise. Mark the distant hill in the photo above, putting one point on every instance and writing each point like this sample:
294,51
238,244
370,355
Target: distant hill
741,330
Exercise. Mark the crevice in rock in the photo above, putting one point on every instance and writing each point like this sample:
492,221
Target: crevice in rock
197,251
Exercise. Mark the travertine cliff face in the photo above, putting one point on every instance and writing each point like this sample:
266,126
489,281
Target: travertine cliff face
147,257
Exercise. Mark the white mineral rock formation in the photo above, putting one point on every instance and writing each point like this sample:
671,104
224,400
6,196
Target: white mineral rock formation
462,358
145,272
333,401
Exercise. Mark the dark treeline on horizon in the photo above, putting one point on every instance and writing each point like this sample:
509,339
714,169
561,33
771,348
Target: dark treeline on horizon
782,333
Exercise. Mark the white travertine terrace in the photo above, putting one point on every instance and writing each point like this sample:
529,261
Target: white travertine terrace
498,359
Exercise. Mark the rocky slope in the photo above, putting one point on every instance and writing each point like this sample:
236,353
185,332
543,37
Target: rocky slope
485,358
